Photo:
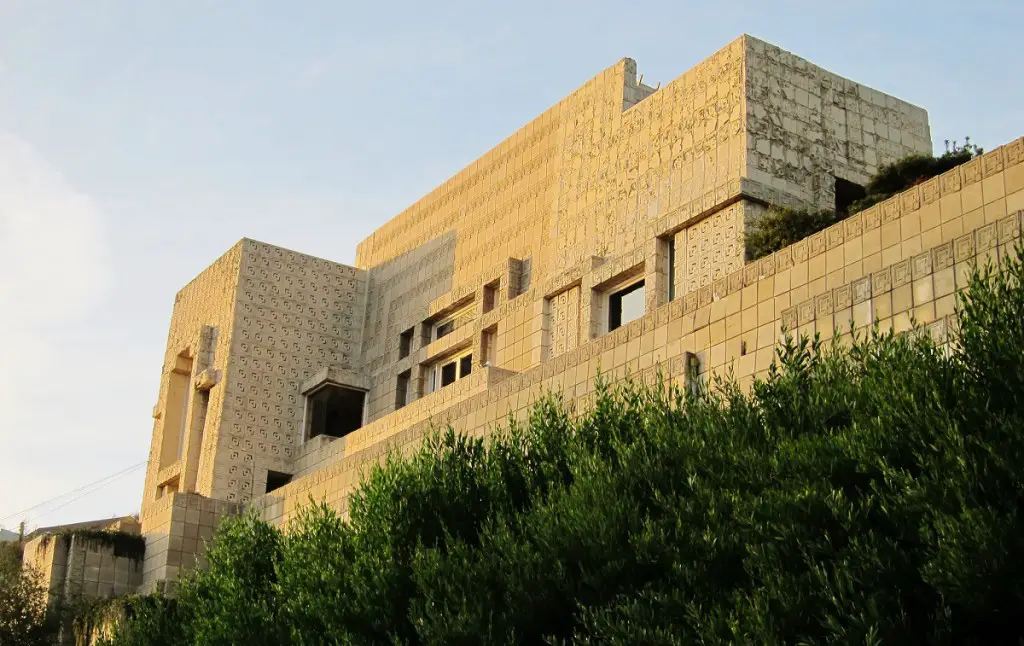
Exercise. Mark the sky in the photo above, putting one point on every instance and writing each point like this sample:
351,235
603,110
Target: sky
140,139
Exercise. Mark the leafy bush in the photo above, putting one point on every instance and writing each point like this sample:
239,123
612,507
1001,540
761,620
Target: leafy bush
23,619
783,226
780,227
867,494
910,171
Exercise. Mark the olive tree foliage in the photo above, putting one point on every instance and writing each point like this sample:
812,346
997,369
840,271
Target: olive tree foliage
862,493
23,619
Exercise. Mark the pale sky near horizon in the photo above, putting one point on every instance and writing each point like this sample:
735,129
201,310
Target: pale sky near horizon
140,139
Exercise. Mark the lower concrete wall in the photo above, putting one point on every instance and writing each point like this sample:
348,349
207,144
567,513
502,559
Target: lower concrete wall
79,568
177,530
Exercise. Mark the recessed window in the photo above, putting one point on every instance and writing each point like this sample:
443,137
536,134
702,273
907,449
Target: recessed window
626,305
402,389
448,372
692,372
453,321
670,251
334,410
490,296
405,344
488,347
276,480
444,329
179,390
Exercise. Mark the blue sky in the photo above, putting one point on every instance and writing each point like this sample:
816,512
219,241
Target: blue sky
141,139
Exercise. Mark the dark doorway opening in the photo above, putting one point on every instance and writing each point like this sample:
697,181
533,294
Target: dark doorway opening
847,193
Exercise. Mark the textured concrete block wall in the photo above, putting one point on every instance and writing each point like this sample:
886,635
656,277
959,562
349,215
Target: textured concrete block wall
899,261
294,315
177,531
524,246
206,303
806,125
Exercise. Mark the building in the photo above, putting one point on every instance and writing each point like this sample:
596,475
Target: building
605,234
82,561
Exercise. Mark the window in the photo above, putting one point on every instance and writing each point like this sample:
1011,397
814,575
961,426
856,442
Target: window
626,305
488,349
670,249
334,410
693,372
168,487
444,329
490,296
402,389
276,480
405,344
448,372
175,414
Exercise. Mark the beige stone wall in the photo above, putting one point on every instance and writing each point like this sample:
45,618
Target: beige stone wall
201,329
903,259
79,568
597,173
806,125
295,315
177,530
255,325
48,557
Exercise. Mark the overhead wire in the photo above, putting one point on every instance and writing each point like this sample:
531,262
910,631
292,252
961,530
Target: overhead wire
93,486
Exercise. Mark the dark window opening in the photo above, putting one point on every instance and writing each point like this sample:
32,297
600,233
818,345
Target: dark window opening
405,344
847,193
335,411
626,305
671,253
444,329
487,347
402,389
276,480
448,374
693,372
490,296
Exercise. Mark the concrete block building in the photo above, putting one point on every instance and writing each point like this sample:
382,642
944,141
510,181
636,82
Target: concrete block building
606,234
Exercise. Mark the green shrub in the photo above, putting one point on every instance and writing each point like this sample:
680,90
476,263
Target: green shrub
857,495
780,227
910,171
783,226
23,617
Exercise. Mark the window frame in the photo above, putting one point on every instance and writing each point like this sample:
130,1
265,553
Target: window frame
434,370
405,343
452,319
615,321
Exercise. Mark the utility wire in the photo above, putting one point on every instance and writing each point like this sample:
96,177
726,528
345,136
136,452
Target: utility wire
103,480
87,493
